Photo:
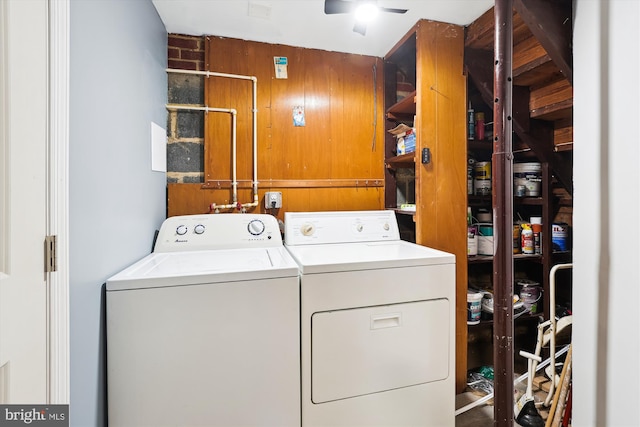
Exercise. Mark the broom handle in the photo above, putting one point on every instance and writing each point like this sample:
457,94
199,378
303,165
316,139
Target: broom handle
557,417
564,384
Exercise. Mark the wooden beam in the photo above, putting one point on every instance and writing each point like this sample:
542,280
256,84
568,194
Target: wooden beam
479,65
296,183
550,21
479,34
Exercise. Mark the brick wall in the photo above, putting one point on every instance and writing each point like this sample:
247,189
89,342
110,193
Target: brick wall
185,129
186,52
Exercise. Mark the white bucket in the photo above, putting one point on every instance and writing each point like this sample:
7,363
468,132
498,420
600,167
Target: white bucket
529,176
472,240
474,307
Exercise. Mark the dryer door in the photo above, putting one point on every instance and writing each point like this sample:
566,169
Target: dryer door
373,349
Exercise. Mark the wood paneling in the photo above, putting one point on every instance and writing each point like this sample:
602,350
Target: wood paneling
331,163
441,186
186,199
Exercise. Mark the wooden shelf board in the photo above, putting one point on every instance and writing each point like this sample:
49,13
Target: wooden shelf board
406,160
406,106
480,259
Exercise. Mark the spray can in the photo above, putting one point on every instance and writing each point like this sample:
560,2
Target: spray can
517,242
536,227
527,238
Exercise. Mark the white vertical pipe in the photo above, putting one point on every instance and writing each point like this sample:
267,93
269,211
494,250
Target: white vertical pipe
553,327
255,139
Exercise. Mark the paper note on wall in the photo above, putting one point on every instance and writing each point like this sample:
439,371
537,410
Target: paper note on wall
298,116
280,62
158,148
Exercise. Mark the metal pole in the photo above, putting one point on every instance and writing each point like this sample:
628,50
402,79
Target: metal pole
502,177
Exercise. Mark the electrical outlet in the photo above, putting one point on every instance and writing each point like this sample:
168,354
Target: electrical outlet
273,199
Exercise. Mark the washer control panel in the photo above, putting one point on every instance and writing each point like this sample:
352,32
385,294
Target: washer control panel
218,231
340,227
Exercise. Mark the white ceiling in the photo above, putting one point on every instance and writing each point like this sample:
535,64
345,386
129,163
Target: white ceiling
303,23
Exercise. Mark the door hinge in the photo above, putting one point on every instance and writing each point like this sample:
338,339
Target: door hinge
50,257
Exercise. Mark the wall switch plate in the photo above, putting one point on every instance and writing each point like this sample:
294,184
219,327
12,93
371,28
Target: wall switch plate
426,156
273,199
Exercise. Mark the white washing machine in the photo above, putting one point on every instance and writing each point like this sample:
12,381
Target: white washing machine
205,330
377,322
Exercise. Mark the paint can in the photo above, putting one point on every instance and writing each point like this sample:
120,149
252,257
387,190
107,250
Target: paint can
482,178
530,294
560,237
474,307
472,240
528,175
485,239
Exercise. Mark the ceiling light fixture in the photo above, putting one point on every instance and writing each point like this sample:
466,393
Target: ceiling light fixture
366,11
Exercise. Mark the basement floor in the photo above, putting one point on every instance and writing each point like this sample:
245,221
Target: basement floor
482,415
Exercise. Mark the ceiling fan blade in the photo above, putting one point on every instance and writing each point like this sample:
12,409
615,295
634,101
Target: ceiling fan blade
391,10
360,28
338,6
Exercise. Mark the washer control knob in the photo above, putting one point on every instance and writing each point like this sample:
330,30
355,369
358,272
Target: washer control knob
386,226
307,229
199,229
181,230
256,227
359,228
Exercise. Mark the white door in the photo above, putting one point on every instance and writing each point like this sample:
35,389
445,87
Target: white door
23,201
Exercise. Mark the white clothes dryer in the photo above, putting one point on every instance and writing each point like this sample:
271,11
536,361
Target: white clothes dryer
204,331
377,322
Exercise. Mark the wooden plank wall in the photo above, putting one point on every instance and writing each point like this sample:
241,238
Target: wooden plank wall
334,162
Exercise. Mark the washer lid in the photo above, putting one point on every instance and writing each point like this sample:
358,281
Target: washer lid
200,267
365,256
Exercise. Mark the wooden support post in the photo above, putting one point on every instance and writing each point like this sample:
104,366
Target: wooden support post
502,163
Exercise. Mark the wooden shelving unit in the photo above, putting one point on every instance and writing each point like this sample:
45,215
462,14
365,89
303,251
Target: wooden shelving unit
542,122
430,57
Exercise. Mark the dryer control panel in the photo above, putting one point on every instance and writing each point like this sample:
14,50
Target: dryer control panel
304,228
218,231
